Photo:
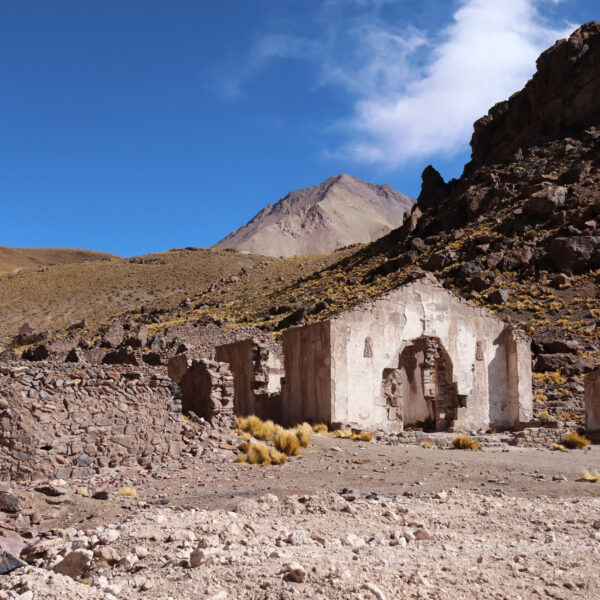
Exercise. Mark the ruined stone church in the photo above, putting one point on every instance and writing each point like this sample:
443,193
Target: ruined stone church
416,356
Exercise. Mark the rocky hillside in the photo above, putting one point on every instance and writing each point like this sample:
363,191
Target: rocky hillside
16,259
342,210
518,232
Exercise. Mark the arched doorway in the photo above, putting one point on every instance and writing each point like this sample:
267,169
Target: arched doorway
421,391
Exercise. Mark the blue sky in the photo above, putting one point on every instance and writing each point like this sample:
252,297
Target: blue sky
133,126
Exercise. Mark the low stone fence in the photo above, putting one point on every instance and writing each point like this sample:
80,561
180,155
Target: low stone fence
62,420
540,436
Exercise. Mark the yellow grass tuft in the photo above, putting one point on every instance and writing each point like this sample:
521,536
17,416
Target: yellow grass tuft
287,442
591,477
258,454
559,447
342,433
303,438
464,442
575,441
243,447
320,428
363,436
128,491
277,458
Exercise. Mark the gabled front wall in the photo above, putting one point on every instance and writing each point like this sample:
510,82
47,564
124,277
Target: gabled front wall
369,339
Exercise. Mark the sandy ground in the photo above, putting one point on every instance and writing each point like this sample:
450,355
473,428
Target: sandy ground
340,522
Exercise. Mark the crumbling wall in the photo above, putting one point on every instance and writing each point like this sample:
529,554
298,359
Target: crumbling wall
257,367
207,390
64,420
592,404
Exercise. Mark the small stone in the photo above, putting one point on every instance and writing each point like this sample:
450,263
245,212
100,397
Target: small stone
147,585
108,536
51,490
100,495
376,591
74,564
423,534
220,595
127,563
197,557
140,551
9,503
82,491
409,536
559,478
596,524
298,538
9,562
248,507
294,572
107,553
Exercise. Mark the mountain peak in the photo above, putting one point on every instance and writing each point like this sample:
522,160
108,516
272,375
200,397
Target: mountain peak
341,210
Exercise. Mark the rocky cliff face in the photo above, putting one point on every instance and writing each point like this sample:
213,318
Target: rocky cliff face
342,210
562,99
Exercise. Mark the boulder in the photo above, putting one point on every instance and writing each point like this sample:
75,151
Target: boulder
9,503
9,562
38,353
123,356
572,254
152,358
75,355
114,336
75,563
545,199
498,297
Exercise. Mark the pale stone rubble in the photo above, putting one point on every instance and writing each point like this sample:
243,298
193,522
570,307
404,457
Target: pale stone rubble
328,546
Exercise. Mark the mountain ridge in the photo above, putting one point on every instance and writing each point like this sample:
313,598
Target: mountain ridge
340,211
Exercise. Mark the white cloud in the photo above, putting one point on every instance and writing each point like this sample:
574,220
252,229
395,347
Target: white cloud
486,54
414,94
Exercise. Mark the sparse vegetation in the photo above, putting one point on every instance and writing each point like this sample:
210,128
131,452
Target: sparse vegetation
590,477
128,492
464,442
575,441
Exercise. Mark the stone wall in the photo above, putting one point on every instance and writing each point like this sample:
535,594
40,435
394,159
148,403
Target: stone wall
207,391
592,404
63,420
257,367
309,385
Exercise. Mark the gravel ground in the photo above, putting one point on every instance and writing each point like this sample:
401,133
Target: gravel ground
348,520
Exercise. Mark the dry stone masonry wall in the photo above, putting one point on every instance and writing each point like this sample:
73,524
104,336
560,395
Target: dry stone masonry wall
64,420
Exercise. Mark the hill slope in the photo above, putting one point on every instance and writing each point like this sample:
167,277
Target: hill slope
342,210
13,259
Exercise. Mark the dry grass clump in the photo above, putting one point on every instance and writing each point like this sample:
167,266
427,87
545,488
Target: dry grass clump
320,428
258,454
277,458
575,441
559,447
252,425
128,492
464,442
590,477
352,434
287,442
303,438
